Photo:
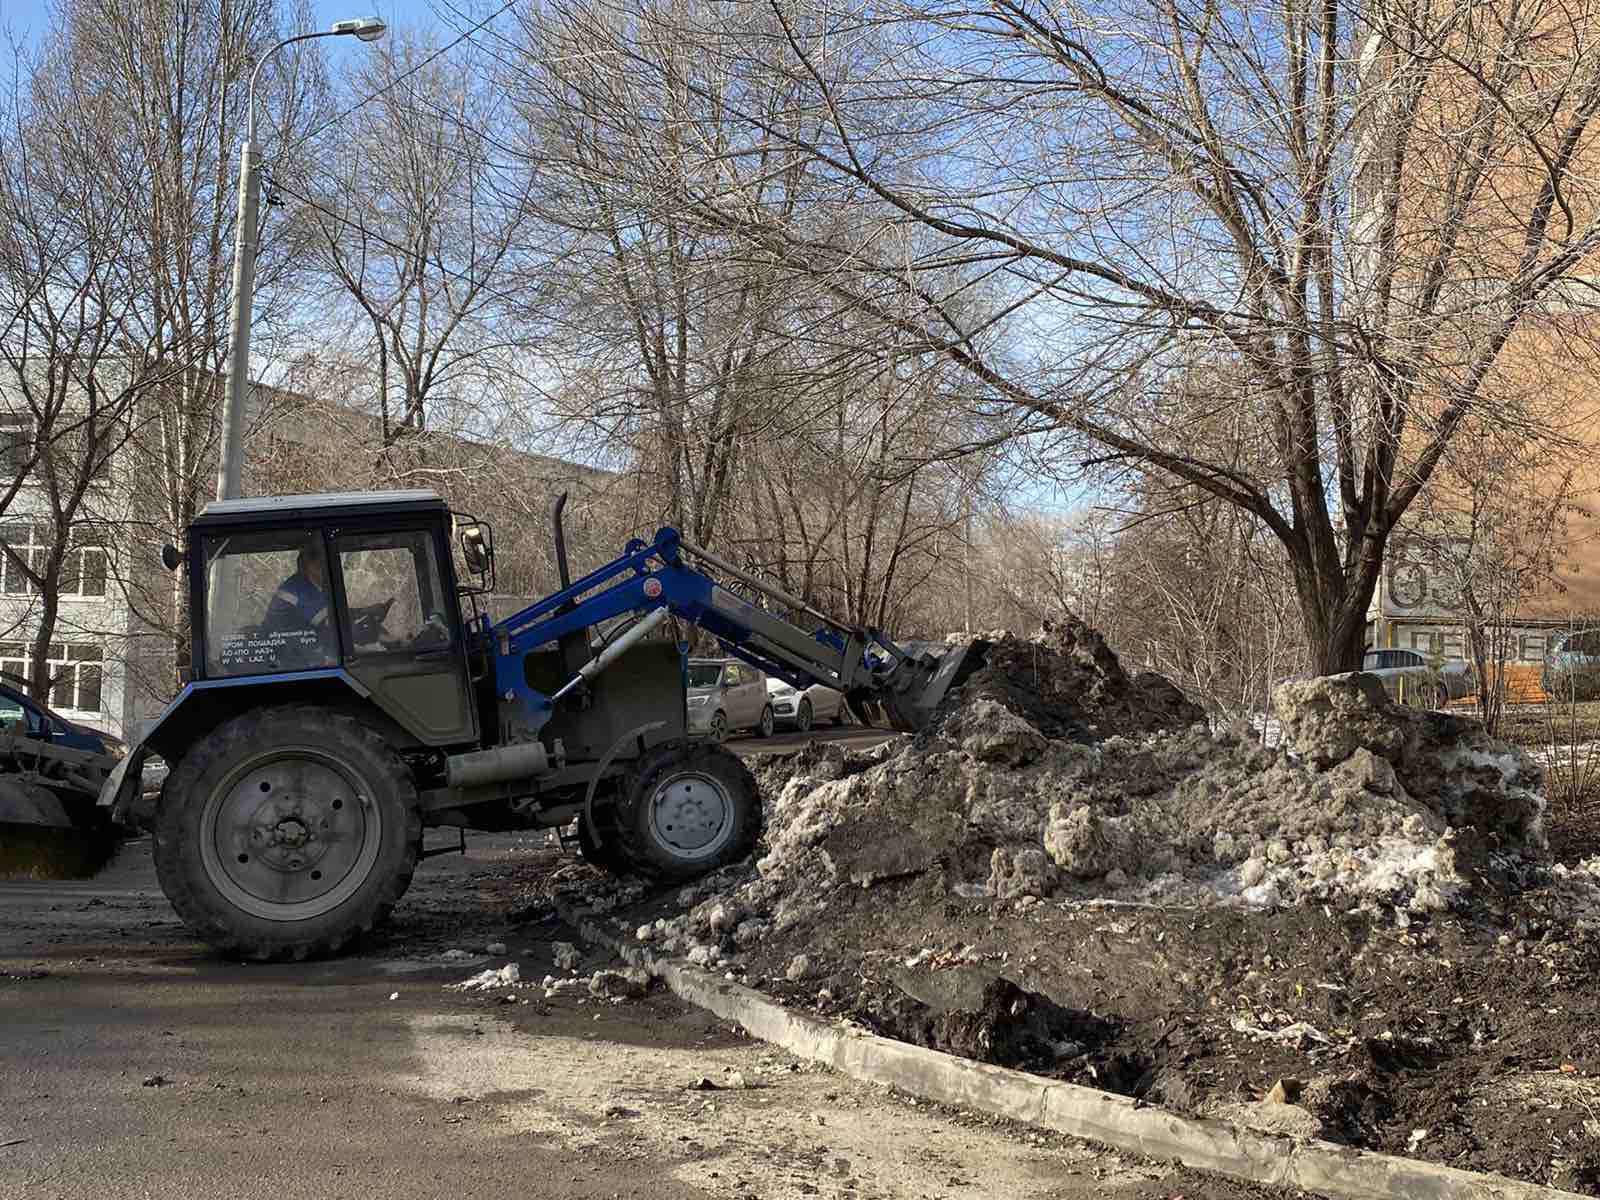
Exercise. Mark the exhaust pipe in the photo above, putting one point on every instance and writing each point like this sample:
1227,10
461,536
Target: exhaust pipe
559,536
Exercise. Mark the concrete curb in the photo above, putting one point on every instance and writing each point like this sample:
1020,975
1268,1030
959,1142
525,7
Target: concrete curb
1105,1117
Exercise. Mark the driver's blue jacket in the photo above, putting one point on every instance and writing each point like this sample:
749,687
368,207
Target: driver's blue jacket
297,595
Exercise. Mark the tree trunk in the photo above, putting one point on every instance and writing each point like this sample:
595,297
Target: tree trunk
1336,626
39,680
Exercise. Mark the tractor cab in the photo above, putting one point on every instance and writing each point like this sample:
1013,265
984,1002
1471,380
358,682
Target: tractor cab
359,586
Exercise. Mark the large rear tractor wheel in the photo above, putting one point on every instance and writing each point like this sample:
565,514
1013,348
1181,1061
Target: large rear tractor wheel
686,809
287,832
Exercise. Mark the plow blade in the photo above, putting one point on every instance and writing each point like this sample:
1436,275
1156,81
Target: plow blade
919,685
39,840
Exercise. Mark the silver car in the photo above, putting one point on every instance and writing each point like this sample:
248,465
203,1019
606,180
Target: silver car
725,695
799,710
1572,666
1407,675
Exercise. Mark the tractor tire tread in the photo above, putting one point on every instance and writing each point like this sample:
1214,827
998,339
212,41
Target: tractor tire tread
642,856
608,855
175,873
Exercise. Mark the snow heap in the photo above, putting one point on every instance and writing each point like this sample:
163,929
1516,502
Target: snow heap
1053,773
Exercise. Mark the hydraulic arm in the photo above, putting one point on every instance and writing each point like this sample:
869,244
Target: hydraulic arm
883,682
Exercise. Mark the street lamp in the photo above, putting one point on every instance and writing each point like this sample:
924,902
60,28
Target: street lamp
368,29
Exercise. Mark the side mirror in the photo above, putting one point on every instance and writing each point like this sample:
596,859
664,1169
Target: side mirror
476,549
171,557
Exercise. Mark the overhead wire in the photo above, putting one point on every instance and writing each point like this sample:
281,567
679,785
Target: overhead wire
388,87
408,251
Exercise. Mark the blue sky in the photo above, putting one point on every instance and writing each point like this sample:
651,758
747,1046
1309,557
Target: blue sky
27,20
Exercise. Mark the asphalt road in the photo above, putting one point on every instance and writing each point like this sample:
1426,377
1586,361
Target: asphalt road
133,1063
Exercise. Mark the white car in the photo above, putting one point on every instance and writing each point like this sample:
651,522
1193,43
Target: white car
799,710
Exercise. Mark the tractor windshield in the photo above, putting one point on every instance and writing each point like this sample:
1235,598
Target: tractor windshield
267,604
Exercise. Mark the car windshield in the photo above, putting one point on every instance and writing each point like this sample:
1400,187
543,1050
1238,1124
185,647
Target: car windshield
704,675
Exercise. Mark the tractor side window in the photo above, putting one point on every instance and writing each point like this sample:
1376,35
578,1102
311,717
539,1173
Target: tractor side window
393,599
267,604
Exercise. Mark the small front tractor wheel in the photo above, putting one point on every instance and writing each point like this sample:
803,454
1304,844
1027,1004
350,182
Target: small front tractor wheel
686,809
287,832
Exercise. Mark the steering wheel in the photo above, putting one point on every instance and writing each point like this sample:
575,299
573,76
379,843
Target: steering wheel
366,622
434,634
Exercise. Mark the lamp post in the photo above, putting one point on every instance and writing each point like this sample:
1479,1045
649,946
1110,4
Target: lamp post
368,29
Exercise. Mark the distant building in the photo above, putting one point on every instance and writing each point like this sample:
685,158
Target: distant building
114,658
94,623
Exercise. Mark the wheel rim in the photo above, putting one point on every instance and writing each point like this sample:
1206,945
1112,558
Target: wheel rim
766,722
719,727
691,815
290,834
803,721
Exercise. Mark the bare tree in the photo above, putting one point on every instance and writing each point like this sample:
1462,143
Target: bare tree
421,228
168,81
1363,208
1494,536
78,356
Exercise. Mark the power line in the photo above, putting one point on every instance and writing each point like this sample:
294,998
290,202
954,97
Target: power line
411,70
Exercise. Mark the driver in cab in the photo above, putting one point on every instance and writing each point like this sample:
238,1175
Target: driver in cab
301,601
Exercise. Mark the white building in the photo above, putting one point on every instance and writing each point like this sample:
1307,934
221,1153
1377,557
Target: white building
95,629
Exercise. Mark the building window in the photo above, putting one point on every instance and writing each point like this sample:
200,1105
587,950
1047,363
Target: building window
84,569
84,572
22,545
16,443
14,664
77,672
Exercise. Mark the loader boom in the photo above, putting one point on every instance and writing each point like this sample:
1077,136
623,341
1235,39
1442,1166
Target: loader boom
881,680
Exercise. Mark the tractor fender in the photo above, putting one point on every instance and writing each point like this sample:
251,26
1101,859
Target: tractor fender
202,706
600,769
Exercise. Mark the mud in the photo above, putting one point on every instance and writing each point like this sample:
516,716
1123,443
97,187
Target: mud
1476,1032
47,852
1357,936
1068,684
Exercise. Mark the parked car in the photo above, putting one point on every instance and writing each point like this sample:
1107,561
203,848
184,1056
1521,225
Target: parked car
794,709
1432,686
725,696
21,715
1572,665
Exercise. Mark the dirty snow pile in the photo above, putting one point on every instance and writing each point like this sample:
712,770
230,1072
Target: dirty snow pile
1053,773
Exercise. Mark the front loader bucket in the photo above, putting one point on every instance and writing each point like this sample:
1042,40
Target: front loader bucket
38,839
919,685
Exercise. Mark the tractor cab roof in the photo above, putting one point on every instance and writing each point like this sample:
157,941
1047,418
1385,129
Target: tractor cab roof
325,506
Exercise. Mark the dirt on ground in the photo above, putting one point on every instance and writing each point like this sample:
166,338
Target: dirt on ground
1359,936
137,1063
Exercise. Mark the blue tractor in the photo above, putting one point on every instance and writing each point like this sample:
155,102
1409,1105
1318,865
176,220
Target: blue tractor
347,691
